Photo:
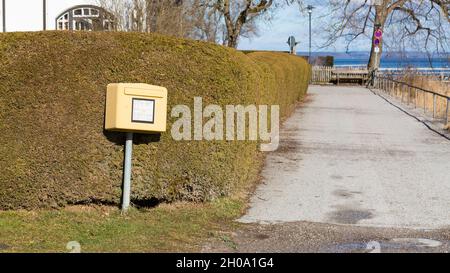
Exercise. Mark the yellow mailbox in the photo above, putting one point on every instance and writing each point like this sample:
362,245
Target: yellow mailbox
138,108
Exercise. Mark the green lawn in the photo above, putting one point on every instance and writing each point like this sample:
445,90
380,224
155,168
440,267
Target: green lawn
166,228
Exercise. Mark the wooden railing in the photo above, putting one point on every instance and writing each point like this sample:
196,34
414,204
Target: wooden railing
437,104
329,74
443,74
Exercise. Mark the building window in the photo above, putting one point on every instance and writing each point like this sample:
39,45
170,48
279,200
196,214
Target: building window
85,18
83,25
106,25
62,22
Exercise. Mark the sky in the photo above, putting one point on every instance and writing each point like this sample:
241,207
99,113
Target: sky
26,15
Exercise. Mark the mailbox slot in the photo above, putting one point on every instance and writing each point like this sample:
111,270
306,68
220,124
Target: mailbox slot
142,93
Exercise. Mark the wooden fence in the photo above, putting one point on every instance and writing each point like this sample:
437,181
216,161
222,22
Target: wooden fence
321,74
328,74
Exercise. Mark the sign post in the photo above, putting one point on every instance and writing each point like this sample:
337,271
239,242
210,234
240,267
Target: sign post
44,14
4,15
134,108
377,43
292,45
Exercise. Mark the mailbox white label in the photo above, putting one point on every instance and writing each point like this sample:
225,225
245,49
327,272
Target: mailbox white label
143,111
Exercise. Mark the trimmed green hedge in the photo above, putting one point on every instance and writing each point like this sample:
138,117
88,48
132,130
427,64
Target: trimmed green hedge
54,151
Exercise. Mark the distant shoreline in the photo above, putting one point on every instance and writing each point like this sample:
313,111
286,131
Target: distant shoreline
395,63
389,59
366,54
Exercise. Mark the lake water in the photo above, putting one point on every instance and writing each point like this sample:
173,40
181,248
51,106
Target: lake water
388,60
396,62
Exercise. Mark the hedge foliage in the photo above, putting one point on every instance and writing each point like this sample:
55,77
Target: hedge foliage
54,151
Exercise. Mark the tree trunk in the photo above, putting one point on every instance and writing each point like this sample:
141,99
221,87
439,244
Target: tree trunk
232,40
381,14
152,7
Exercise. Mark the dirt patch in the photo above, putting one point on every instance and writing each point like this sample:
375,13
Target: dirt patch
260,236
350,216
288,146
345,193
336,177
4,247
300,237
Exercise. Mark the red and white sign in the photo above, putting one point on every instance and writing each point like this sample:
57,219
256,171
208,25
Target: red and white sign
379,33
378,37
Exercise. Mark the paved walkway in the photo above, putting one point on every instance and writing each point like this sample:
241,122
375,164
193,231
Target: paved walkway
349,157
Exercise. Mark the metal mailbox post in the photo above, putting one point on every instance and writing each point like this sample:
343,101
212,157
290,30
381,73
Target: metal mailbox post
134,108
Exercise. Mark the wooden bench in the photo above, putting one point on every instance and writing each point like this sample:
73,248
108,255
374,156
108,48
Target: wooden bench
350,75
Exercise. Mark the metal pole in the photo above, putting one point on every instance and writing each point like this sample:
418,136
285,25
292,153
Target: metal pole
310,35
127,172
44,10
4,15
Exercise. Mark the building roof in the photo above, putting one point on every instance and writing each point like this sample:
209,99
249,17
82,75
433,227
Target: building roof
81,6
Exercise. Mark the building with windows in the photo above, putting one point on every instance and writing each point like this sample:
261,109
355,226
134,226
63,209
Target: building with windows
85,17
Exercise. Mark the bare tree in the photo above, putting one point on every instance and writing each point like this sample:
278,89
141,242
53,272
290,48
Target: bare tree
240,16
206,21
138,15
219,21
168,17
120,10
163,16
424,21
